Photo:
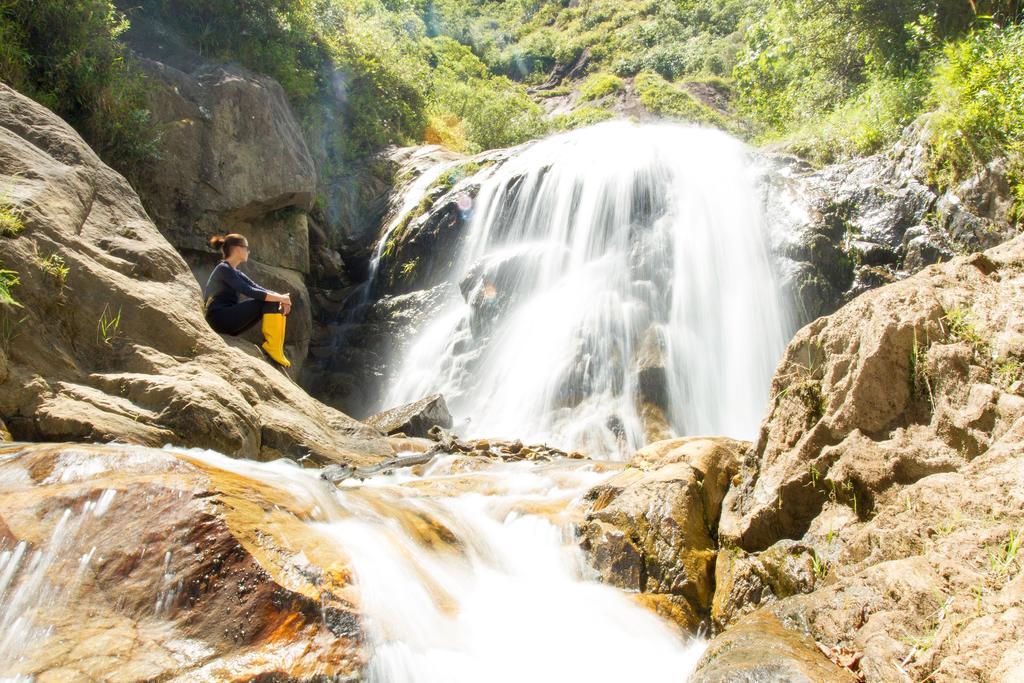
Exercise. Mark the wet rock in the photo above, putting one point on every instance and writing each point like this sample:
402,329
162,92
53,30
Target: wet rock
414,419
428,230
493,285
877,211
744,581
760,649
128,353
362,340
666,551
185,570
651,370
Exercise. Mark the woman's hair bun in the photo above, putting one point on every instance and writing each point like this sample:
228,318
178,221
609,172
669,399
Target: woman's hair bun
217,241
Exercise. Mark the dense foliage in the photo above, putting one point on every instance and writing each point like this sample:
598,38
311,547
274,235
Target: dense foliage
978,93
371,65
66,55
837,79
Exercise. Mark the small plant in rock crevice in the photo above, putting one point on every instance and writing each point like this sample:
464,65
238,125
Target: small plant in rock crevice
108,326
8,330
1002,557
8,281
920,377
409,267
960,325
1008,370
819,565
11,224
54,266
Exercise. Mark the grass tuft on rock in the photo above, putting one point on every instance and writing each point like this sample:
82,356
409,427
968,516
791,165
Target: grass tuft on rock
11,224
8,281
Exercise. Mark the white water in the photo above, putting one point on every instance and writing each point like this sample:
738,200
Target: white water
465,572
578,249
467,576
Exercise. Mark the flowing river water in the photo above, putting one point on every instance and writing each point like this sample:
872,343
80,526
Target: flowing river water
591,257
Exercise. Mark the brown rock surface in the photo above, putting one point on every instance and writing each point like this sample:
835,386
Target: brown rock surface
760,649
161,566
651,528
233,155
117,347
883,506
233,159
413,419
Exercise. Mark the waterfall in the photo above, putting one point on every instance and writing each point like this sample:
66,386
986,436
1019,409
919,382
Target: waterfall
616,287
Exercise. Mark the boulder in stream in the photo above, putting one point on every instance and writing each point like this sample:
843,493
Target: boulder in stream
413,419
663,551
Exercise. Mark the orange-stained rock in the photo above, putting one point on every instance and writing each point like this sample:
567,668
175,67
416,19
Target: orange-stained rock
193,572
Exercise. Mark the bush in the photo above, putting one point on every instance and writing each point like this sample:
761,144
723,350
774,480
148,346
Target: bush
584,116
863,125
66,55
670,101
489,111
600,85
978,92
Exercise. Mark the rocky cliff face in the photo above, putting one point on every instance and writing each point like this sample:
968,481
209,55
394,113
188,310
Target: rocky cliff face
890,464
233,159
107,340
847,228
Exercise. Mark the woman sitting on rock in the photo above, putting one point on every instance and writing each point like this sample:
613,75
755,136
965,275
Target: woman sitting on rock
228,315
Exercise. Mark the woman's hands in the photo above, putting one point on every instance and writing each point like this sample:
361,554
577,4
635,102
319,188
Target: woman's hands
284,299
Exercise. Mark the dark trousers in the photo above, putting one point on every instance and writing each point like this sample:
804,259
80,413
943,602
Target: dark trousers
235,320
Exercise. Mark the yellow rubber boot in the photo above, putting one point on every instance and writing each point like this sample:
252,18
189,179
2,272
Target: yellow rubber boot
273,332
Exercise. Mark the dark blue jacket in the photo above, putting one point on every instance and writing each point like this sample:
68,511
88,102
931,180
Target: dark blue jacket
226,283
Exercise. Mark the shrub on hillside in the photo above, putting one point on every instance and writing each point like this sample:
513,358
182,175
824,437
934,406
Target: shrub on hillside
67,56
978,92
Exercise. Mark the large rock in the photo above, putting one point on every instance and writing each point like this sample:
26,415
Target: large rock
233,155
760,649
882,506
133,564
908,380
233,159
413,419
127,354
651,529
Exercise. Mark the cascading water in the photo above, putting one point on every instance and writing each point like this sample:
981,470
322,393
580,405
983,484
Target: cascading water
466,571
605,272
493,590
607,275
